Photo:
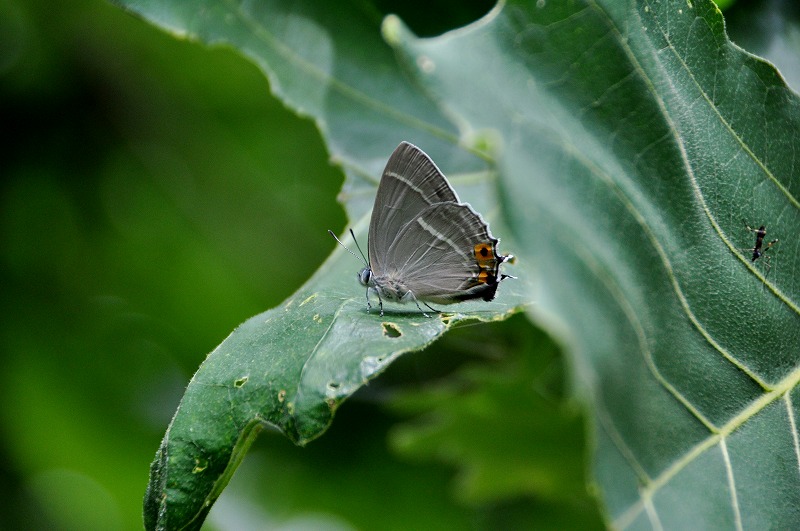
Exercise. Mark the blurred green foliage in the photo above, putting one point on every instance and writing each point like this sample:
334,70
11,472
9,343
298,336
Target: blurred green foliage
153,196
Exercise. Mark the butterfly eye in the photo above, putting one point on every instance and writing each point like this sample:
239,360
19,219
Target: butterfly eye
364,276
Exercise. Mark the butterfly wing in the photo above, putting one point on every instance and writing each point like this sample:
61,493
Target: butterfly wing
445,255
410,183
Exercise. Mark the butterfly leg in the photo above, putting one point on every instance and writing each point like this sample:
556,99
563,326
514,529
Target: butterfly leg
431,307
410,295
380,300
369,304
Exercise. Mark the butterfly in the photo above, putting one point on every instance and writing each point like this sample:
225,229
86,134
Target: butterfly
425,245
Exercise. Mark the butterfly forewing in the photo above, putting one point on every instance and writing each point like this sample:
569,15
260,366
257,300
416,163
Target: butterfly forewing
410,184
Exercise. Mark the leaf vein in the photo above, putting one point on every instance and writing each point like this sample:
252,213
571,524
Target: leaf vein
731,483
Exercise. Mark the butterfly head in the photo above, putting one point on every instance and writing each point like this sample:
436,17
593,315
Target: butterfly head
365,277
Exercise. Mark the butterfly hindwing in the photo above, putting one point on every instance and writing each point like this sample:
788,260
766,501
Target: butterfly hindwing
446,254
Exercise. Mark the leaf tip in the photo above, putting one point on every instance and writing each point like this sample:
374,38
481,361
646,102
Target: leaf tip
393,29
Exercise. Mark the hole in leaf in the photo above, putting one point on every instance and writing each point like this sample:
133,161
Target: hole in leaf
240,382
281,395
390,330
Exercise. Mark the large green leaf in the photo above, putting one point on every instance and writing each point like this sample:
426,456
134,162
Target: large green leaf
631,141
637,139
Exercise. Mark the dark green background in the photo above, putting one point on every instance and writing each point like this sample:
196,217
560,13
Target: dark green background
154,196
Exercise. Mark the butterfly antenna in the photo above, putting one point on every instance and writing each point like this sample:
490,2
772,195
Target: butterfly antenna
366,261
348,250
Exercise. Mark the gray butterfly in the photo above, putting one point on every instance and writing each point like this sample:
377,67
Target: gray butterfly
424,244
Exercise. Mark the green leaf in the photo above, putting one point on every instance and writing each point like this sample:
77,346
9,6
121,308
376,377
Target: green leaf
289,367
292,366
629,142
637,139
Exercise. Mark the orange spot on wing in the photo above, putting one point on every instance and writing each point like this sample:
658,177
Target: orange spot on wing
484,254
486,277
